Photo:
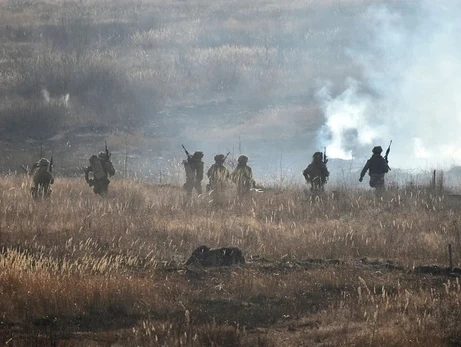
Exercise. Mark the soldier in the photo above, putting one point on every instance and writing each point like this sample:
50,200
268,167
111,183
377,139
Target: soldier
43,178
316,173
102,167
377,167
243,176
194,173
218,174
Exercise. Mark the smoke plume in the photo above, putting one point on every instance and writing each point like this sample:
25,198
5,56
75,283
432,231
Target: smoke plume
410,91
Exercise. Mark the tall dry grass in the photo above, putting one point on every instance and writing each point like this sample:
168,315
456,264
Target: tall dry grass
79,263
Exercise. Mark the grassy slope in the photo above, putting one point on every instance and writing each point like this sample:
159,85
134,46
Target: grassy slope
92,269
166,70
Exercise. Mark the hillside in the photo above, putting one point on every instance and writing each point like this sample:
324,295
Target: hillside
165,73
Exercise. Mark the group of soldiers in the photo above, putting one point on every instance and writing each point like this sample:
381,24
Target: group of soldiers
316,173
377,166
218,175
100,166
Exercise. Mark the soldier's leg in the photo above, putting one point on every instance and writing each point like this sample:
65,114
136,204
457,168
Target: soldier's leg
34,191
198,187
46,190
188,186
105,189
98,187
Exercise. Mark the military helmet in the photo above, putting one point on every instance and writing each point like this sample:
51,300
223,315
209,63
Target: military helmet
318,155
43,162
219,158
377,150
243,159
197,155
102,155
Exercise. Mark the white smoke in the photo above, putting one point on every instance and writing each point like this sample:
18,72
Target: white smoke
62,100
411,88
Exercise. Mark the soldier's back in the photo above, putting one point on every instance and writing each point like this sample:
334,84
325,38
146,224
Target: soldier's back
378,165
43,176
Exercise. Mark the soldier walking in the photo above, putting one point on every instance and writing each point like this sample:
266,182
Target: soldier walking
43,178
377,166
242,176
194,173
218,174
102,168
316,173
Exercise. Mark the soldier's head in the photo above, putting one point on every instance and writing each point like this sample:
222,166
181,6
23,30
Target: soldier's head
219,158
318,156
242,160
377,150
43,162
197,155
103,156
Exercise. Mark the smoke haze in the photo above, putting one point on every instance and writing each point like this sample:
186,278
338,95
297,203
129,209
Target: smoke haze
410,91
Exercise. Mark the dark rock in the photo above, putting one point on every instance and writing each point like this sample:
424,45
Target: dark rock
225,256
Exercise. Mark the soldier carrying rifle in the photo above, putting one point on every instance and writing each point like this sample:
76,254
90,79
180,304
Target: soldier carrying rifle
377,166
242,176
218,174
101,167
193,166
316,172
43,178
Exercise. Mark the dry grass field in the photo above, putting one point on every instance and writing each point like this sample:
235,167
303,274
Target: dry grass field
345,268
342,269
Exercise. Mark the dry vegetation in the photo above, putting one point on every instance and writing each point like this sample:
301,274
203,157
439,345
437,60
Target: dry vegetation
80,269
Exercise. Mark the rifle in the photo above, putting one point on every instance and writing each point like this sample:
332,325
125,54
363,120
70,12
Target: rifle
387,152
226,156
51,163
107,150
187,153
325,160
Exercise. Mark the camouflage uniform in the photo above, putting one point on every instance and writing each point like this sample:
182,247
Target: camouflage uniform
194,173
316,172
243,176
218,174
377,167
43,178
102,167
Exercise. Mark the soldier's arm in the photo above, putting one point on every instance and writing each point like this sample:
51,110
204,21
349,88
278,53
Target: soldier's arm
250,176
87,173
208,173
199,176
51,178
110,168
35,166
365,169
234,175
385,166
326,173
306,173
